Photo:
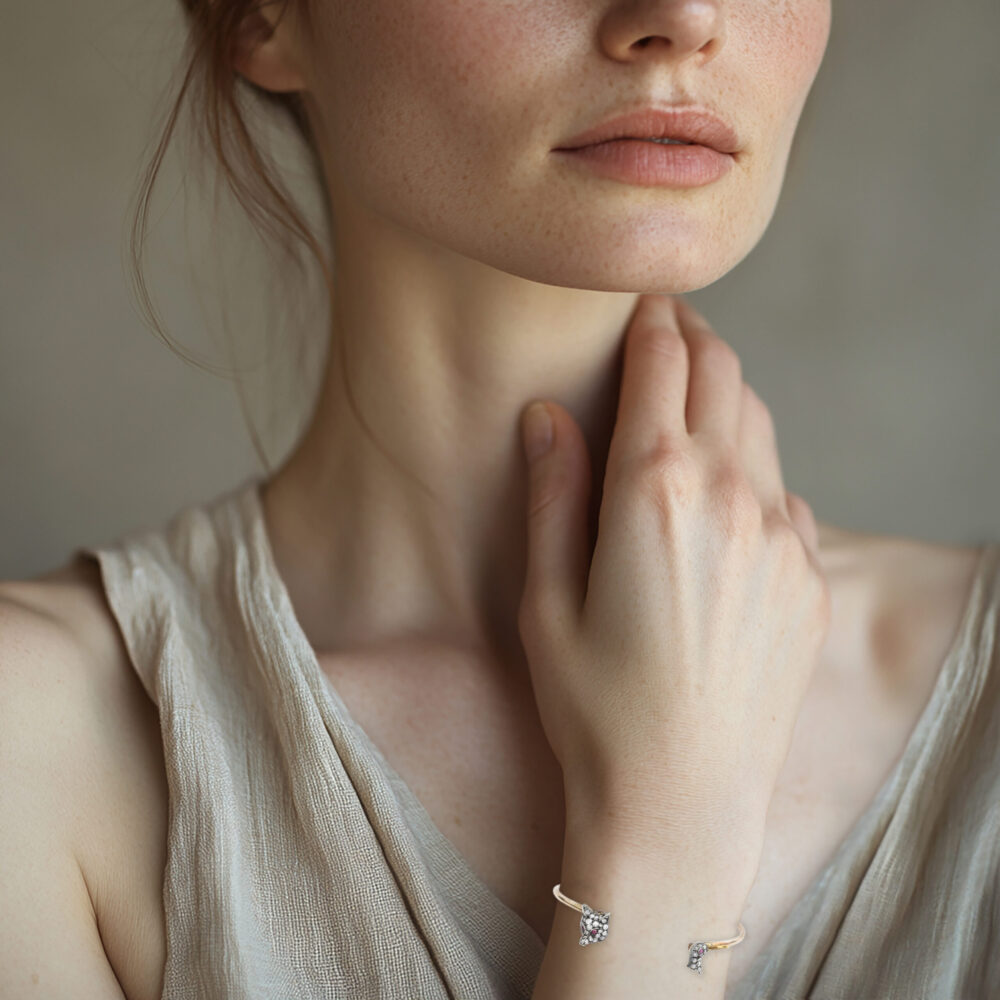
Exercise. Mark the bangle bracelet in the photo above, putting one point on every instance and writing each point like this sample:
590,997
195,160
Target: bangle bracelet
593,923
594,928
697,949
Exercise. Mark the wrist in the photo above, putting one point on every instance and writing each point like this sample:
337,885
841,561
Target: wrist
612,845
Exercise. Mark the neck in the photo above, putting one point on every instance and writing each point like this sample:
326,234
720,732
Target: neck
403,506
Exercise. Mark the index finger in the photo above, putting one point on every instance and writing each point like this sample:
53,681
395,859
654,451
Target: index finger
653,392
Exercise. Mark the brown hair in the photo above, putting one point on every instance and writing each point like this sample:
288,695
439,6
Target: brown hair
215,95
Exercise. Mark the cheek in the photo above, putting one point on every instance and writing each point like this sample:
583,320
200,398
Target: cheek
420,94
781,55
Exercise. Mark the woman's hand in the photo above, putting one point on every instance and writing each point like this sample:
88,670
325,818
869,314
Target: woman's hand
669,670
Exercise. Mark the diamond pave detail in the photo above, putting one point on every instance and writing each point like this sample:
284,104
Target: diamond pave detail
593,925
697,950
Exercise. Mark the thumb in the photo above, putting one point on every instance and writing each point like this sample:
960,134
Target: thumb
558,495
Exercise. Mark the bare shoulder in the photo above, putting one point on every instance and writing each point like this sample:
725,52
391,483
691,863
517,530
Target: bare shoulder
83,793
906,596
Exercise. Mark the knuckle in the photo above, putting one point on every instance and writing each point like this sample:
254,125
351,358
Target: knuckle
796,565
734,497
756,413
799,506
777,527
668,473
801,515
786,542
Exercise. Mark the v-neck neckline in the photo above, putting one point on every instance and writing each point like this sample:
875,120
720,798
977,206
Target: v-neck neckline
441,844
467,892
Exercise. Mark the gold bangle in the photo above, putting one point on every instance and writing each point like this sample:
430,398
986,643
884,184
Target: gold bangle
593,923
594,928
697,949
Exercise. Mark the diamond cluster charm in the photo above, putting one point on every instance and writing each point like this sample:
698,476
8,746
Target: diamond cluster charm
593,925
698,949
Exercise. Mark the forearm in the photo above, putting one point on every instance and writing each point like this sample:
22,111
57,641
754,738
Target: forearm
659,901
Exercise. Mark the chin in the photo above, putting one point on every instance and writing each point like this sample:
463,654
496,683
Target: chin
631,258
623,241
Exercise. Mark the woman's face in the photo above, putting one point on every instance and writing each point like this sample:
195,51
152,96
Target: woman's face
442,116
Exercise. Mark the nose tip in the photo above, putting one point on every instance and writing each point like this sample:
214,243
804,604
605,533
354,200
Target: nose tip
675,29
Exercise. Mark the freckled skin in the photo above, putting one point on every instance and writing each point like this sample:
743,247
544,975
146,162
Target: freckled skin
440,115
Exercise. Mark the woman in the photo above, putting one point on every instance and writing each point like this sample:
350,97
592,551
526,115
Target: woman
340,731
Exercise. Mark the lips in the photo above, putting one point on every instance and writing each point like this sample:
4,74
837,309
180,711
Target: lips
685,124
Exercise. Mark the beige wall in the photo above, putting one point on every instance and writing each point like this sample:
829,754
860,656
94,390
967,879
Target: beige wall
868,318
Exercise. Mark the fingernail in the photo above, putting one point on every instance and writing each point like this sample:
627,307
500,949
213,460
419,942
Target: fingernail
537,431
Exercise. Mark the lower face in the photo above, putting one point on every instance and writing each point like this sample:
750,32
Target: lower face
444,117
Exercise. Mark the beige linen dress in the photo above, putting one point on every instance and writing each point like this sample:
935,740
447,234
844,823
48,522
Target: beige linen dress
299,864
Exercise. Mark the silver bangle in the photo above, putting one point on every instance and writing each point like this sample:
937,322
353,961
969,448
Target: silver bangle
593,923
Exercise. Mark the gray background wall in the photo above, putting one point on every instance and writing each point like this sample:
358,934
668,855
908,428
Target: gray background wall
868,318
